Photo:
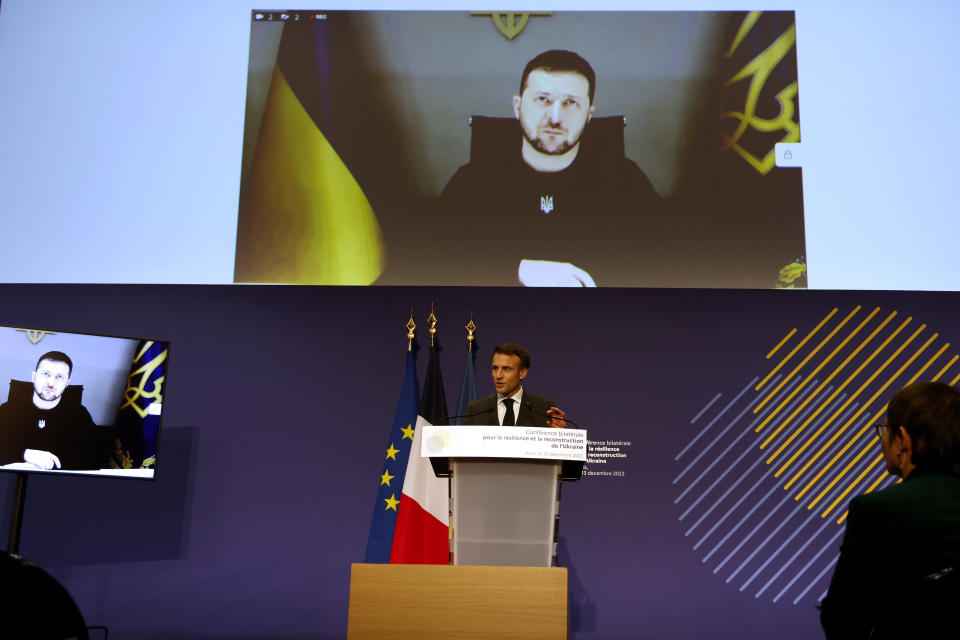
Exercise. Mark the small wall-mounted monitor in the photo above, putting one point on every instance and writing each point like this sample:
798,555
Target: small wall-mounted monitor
79,403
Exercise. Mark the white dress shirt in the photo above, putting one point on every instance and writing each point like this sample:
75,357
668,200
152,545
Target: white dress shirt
502,409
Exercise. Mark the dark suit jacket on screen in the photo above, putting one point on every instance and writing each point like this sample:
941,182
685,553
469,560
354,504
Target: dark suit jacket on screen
531,414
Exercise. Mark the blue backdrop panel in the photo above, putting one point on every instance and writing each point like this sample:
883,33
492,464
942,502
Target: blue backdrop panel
729,430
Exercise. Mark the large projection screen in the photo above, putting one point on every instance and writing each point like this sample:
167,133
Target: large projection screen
124,137
384,147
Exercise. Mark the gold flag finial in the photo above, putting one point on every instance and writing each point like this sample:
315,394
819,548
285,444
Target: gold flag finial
411,325
432,320
471,328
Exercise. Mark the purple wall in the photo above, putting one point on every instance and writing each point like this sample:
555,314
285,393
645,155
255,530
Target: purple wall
279,400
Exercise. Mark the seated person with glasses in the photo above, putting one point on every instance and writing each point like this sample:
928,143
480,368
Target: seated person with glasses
899,540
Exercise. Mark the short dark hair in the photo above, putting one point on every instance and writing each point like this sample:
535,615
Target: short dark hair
560,61
930,413
56,356
511,349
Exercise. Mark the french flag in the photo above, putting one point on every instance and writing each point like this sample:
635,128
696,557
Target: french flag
422,535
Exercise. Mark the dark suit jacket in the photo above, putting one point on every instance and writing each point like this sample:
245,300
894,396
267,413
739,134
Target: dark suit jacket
893,539
532,411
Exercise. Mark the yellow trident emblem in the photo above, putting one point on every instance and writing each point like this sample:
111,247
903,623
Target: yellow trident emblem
139,379
510,23
35,335
758,71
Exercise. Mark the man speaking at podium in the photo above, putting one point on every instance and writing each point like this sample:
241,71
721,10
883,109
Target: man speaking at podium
511,405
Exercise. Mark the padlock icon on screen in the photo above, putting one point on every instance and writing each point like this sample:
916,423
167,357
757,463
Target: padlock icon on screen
787,155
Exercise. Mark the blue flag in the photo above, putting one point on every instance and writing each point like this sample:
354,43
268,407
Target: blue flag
384,521
468,386
138,420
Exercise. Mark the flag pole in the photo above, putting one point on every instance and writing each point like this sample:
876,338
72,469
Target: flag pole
422,534
411,325
471,327
432,321
394,466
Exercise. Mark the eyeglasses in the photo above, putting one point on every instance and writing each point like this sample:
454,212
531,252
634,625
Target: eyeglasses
881,429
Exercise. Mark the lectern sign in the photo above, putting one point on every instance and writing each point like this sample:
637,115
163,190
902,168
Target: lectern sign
504,442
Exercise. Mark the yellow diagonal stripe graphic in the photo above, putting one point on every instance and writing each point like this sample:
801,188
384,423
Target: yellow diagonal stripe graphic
876,483
860,411
945,367
870,467
856,481
810,377
836,392
809,357
795,349
820,388
781,343
869,426
929,362
883,409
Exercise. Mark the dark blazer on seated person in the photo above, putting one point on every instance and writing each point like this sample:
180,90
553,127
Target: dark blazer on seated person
894,538
532,412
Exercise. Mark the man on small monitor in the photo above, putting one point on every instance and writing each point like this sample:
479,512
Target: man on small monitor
45,429
511,405
564,207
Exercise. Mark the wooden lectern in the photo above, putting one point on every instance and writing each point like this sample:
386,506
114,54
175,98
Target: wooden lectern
422,601
504,497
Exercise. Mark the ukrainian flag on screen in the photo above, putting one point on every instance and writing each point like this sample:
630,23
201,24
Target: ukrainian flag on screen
303,218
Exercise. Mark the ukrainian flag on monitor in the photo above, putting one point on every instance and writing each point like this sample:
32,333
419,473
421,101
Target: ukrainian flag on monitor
303,217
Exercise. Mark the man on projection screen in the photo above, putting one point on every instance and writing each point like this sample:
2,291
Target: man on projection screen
49,429
559,205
